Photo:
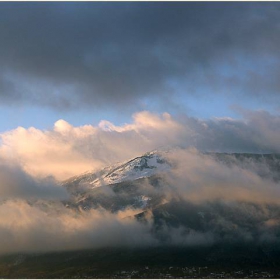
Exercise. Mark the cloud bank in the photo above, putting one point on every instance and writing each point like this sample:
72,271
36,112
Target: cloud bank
66,150
199,178
27,228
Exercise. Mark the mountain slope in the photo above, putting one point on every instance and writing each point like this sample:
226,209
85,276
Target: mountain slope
140,167
119,186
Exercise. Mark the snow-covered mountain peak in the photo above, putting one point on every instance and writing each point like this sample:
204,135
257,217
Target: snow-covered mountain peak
139,167
143,166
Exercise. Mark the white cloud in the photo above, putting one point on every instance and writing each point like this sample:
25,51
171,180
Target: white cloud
66,150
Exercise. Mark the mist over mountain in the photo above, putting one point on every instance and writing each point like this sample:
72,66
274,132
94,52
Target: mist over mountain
162,198
213,205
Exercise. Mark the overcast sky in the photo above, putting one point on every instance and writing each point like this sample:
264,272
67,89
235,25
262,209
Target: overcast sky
88,61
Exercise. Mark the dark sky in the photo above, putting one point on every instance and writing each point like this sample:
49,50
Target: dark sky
98,54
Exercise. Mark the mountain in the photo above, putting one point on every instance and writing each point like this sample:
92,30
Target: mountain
140,184
156,162
121,185
144,166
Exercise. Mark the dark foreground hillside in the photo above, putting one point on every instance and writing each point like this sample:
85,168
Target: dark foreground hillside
235,261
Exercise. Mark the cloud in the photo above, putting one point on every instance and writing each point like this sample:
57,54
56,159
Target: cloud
206,201
199,178
66,150
27,228
15,183
96,55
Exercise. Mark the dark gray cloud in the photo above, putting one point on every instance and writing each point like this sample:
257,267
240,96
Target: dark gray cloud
70,54
258,132
16,183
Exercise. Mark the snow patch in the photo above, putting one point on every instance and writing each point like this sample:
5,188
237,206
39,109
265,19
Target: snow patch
137,168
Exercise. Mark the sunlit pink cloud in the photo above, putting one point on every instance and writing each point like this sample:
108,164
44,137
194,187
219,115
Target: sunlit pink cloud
66,150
